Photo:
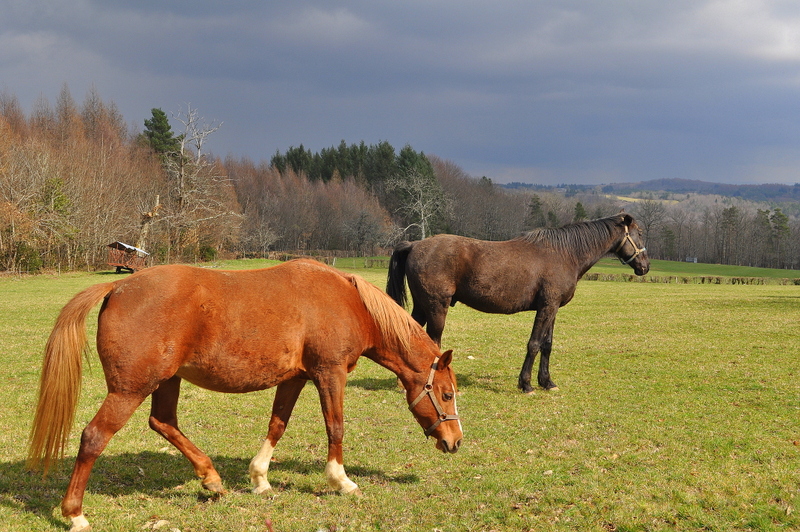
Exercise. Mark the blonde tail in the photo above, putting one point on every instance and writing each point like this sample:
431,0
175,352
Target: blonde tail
60,382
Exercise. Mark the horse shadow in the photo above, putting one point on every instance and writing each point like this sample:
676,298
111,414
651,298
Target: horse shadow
390,383
157,475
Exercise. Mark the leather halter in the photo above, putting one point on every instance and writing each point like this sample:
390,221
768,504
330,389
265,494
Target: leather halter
428,390
637,251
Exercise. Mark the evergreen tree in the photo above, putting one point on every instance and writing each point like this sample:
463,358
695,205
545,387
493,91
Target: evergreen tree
301,161
159,134
381,164
536,217
780,236
763,230
580,213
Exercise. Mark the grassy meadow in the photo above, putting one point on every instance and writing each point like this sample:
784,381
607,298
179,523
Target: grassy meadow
678,409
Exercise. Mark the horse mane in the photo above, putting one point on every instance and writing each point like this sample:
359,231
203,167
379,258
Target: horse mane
392,320
575,236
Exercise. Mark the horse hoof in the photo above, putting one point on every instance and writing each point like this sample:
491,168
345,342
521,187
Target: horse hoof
80,524
215,487
553,389
352,490
261,489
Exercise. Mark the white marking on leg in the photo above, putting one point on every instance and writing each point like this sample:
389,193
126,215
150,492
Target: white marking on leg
79,523
259,467
337,478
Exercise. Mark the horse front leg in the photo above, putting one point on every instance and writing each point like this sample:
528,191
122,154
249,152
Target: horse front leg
331,393
541,340
164,420
115,411
286,396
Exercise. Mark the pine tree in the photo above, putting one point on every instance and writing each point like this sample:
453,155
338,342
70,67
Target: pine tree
159,134
536,217
580,212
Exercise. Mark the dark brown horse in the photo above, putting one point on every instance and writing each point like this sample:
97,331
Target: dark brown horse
537,271
233,331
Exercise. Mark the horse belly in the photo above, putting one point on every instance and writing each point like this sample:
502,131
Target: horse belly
495,285
493,305
494,294
236,364
233,379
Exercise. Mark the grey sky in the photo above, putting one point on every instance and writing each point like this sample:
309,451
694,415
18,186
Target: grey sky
534,91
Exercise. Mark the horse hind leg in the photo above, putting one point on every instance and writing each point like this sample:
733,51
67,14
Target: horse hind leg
115,411
541,340
286,396
436,316
164,420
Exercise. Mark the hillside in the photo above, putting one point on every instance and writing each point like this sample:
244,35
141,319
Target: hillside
770,192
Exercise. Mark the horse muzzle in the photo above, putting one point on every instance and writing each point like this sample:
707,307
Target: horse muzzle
447,447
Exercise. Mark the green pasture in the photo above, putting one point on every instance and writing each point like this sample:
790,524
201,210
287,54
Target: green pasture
678,409
667,268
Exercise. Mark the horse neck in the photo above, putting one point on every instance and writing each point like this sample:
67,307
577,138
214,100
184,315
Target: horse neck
399,344
410,365
588,257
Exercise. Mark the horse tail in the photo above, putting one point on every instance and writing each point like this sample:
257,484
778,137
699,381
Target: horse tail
60,382
396,281
392,321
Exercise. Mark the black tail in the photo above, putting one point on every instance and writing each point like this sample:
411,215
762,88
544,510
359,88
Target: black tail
396,282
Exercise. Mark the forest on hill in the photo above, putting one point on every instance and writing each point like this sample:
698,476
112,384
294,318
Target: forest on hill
75,177
766,192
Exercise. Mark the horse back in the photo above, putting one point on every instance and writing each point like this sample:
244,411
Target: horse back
232,331
497,277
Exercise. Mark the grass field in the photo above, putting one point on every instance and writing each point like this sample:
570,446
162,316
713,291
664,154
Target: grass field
666,268
678,409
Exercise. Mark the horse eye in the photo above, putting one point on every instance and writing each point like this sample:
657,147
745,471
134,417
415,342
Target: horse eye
447,396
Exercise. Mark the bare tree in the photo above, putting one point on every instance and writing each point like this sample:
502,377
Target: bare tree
423,199
202,198
195,131
650,214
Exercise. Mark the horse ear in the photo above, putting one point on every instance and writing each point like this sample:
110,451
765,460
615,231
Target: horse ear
627,218
445,359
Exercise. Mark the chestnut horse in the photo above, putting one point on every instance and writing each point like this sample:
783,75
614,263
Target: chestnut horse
235,332
537,271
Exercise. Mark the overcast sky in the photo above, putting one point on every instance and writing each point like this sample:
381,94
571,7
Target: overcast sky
535,91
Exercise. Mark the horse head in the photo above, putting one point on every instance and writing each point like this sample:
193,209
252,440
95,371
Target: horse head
631,250
433,404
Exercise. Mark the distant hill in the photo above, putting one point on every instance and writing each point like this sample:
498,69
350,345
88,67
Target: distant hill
767,192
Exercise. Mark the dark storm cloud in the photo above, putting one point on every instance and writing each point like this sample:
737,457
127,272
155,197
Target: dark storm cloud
555,91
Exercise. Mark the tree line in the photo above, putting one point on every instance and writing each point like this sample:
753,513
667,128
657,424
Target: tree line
75,177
